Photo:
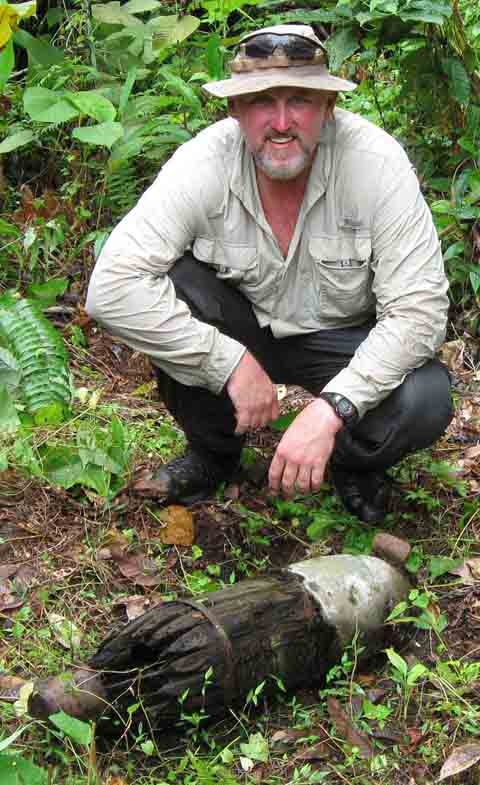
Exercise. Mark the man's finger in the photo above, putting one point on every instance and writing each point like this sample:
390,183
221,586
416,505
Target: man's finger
243,424
317,476
289,479
275,473
304,479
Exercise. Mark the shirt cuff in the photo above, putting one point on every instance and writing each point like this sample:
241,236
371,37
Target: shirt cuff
353,386
221,361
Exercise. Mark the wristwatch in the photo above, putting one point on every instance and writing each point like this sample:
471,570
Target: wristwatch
342,407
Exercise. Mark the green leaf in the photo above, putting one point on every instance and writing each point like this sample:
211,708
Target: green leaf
9,369
42,53
7,61
46,293
218,10
8,230
397,661
102,135
257,747
8,741
458,80
141,6
416,673
439,565
126,90
454,251
283,422
15,770
62,466
46,106
397,611
9,420
475,281
97,478
427,11
80,732
340,46
94,104
168,30
14,141
113,14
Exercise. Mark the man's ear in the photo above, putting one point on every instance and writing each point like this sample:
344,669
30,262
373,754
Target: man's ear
232,107
331,101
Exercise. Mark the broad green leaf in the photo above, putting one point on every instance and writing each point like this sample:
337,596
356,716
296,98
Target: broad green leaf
114,14
140,6
15,770
9,370
50,413
80,732
9,419
439,565
16,140
62,466
427,12
340,46
458,80
256,748
397,661
46,293
97,478
7,61
171,29
185,26
46,106
454,251
94,104
415,673
41,52
102,135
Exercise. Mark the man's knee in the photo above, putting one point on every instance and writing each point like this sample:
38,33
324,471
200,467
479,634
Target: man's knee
424,403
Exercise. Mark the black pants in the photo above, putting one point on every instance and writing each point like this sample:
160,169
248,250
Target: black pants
411,418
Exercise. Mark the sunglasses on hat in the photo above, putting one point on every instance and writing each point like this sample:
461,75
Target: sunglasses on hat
295,47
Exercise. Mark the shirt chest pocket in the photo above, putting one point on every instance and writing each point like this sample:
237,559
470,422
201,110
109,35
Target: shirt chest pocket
231,261
342,276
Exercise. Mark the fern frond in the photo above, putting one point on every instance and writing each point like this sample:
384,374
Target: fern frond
122,188
41,359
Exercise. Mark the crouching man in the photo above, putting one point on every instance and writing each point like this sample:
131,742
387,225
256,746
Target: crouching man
288,243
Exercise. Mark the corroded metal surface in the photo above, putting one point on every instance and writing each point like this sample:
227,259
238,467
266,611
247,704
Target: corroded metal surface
355,595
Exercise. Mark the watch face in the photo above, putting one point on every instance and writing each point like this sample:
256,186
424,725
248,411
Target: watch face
344,407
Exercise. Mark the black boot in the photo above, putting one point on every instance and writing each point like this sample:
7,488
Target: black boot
364,494
188,479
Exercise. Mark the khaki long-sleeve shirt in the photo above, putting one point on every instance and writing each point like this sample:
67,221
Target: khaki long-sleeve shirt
364,247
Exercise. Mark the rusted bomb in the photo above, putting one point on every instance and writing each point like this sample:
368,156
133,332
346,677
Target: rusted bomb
206,655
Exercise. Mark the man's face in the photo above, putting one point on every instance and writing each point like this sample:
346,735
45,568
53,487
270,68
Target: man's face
282,127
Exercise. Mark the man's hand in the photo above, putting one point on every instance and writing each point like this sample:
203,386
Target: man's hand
252,394
300,460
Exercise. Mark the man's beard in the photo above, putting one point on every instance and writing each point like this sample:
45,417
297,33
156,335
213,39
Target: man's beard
276,169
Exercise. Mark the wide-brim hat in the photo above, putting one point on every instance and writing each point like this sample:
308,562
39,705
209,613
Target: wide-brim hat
256,74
